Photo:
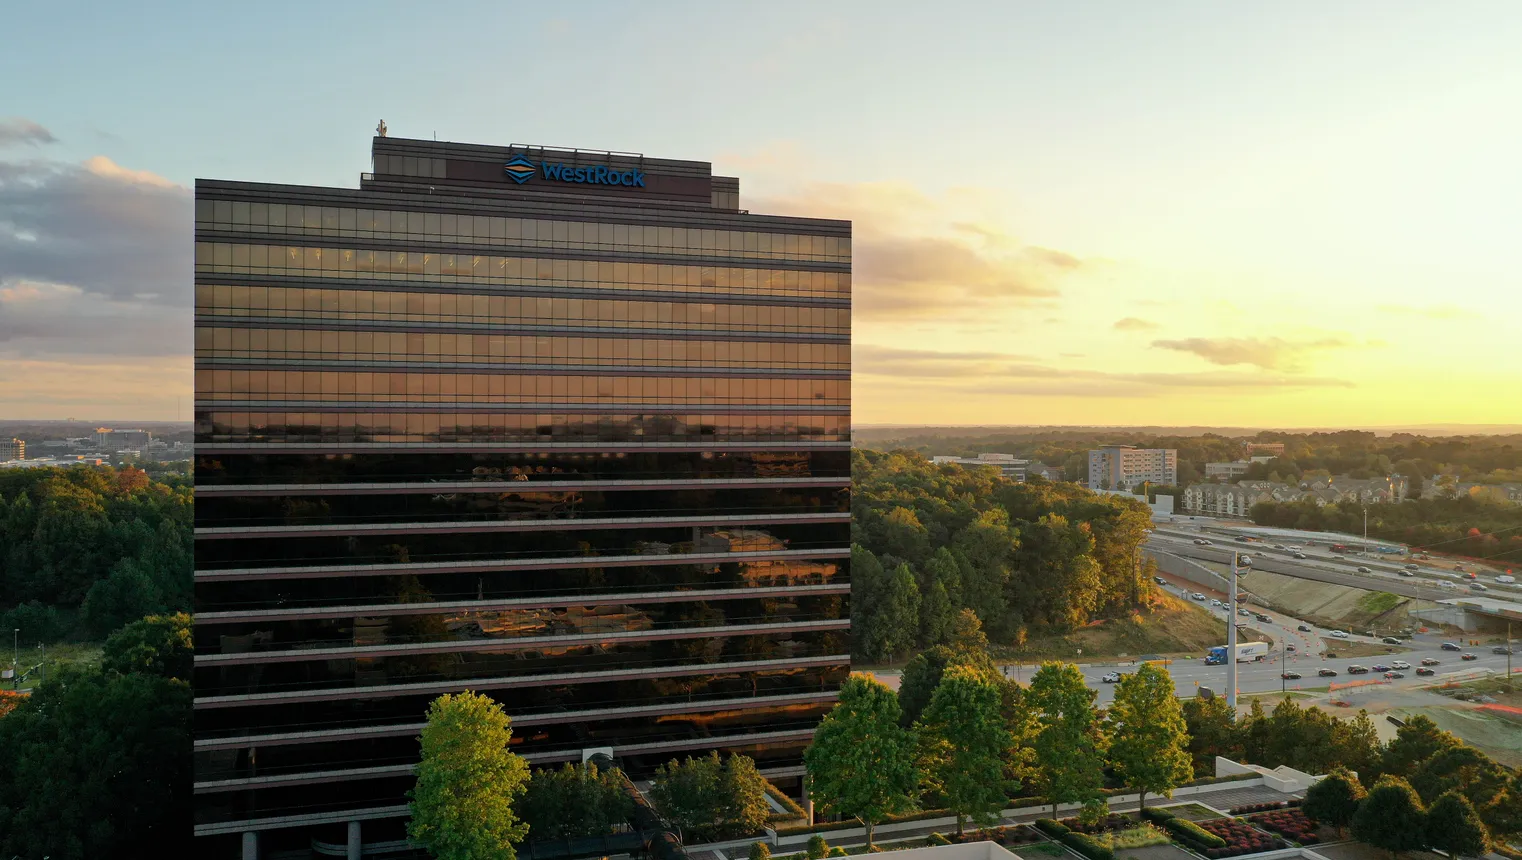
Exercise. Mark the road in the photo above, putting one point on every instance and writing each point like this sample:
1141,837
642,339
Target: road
1263,677
1433,580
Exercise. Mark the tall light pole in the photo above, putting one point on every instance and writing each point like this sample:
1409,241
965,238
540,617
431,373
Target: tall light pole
1231,639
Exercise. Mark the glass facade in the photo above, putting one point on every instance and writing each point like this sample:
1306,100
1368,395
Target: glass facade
587,453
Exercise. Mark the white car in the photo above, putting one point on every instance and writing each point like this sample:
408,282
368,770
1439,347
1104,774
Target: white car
1111,678
1338,634
1399,664
1197,596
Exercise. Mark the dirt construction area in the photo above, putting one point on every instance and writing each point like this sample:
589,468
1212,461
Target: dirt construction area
1493,733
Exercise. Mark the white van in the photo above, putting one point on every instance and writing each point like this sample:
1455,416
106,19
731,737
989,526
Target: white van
1506,579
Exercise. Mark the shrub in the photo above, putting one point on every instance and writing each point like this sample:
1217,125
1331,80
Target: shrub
1087,845
818,848
1051,827
760,851
937,839
1289,823
1157,815
837,851
1135,837
1102,824
1190,832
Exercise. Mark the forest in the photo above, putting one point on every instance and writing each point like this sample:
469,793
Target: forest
929,541
1466,526
85,550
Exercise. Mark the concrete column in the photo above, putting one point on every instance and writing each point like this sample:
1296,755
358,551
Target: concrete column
808,803
251,845
355,844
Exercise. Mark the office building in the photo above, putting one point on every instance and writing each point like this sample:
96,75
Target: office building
1122,467
15,450
1009,465
1272,449
1226,471
108,440
566,428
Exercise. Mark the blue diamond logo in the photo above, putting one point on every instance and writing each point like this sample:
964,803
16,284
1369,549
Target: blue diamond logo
520,169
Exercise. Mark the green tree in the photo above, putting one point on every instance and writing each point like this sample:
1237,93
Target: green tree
97,764
965,744
1453,826
936,615
710,798
1069,741
156,645
1213,731
1391,817
574,801
467,782
1415,742
861,763
890,627
128,593
817,849
1148,735
759,851
1334,800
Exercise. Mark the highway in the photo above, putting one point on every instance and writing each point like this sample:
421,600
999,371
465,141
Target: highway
1322,565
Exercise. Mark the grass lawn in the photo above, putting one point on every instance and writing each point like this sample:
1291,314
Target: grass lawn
1171,627
56,656
1041,849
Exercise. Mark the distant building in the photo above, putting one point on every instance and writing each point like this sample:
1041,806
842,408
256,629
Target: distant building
15,450
1236,500
106,439
1273,448
1440,485
1226,471
1120,467
1009,465
51,462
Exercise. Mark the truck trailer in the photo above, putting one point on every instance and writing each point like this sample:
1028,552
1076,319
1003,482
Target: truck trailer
1247,652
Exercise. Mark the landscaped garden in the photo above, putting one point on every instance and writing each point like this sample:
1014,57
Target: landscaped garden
1288,823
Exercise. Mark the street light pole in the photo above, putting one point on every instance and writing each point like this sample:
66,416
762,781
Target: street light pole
1231,639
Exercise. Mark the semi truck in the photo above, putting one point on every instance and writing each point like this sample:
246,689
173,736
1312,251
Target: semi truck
1247,652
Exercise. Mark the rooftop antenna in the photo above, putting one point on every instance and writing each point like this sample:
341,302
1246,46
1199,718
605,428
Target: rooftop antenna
380,130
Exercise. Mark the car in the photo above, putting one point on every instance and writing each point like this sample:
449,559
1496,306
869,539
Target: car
1289,649
1412,567
1358,670
1393,676
1391,640
1380,667
1425,671
1243,612
1451,646
1111,678
1338,634
1197,596
1399,664
1214,602
1303,628
1405,573
1467,656
1327,673
1330,655
1500,649
1300,555
1278,546
1244,561
1201,542
1362,569
1476,586
1243,539
1430,661
1160,580
1290,676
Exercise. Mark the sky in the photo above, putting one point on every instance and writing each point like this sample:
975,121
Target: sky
1291,214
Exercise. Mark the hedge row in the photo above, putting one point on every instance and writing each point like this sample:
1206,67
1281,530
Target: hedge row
1052,827
1193,834
1087,845
1157,815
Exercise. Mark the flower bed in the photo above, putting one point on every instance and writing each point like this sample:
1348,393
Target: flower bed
1240,838
1018,834
1289,823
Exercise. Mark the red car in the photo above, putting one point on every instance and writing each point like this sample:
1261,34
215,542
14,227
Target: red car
1425,671
1469,657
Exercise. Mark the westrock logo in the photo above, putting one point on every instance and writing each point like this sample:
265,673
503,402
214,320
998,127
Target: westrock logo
520,170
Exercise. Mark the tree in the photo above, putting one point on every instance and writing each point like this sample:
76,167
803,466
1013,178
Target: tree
709,798
128,593
97,764
965,744
892,625
936,614
1069,743
1148,735
156,645
1334,800
1415,742
1453,826
467,782
574,801
861,763
923,673
1212,732
759,851
1391,817
817,849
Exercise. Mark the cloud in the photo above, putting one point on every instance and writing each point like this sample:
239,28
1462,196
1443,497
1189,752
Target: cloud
17,131
1432,312
1134,324
94,259
993,373
1269,353
913,260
